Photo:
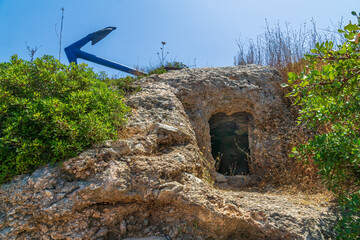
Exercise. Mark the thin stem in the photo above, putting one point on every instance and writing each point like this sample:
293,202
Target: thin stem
61,29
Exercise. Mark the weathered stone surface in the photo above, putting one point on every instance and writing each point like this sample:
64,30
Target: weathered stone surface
155,182
219,178
238,181
147,238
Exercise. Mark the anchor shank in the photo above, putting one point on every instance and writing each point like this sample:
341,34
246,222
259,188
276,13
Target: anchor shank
108,63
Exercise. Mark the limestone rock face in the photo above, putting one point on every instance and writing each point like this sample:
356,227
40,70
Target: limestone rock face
156,181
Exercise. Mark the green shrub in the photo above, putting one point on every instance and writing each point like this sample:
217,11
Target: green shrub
50,112
125,85
329,99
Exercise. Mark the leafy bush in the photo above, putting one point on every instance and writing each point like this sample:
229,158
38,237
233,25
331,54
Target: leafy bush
124,85
50,112
329,100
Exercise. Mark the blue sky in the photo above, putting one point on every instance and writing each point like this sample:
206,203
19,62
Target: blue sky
204,30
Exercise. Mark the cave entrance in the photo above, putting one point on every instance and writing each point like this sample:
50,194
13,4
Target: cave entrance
230,146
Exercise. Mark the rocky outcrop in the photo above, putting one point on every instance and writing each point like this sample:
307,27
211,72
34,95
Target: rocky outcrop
157,180
251,89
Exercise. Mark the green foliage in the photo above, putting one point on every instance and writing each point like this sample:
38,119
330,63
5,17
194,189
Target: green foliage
161,69
50,112
158,70
349,224
328,93
126,85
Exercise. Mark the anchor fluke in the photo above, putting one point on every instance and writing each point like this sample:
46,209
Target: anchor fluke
99,35
73,52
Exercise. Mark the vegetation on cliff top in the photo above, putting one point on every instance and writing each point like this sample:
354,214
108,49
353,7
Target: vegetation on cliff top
327,92
50,112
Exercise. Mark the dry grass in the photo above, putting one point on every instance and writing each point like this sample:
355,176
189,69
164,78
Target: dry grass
284,47
294,176
127,132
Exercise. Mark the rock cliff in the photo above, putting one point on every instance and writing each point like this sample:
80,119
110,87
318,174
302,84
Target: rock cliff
158,179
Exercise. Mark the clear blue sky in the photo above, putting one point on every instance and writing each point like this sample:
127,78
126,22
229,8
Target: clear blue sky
201,29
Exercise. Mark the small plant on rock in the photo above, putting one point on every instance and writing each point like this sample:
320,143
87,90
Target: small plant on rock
160,68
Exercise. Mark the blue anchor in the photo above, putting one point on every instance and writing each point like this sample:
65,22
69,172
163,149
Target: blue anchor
73,52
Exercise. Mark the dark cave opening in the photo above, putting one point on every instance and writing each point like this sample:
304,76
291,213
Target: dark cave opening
230,142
